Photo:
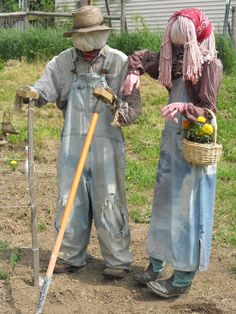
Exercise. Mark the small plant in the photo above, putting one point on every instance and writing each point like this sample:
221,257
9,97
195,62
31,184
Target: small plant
41,227
4,275
4,246
13,164
138,216
199,131
15,258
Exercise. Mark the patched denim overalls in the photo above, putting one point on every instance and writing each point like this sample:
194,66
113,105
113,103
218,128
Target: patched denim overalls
101,192
183,207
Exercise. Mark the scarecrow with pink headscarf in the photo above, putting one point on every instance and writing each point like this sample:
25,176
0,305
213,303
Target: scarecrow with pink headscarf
183,206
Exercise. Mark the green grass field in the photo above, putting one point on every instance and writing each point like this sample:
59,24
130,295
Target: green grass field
142,142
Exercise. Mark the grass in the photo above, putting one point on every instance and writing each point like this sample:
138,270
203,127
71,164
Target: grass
142,142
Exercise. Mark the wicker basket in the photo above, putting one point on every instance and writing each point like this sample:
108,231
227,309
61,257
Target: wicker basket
203,154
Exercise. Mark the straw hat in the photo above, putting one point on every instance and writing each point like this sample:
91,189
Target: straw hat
87,19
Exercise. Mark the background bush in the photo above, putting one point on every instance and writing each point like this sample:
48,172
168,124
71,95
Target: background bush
227,53
32,44
9,5
34,5
41,43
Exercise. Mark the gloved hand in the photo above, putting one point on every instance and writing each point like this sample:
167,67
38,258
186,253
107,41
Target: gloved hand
132,80
24,95
170,111
112,105
108,96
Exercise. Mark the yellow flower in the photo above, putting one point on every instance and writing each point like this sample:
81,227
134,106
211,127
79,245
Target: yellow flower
185,124
13,162
201,119
207,129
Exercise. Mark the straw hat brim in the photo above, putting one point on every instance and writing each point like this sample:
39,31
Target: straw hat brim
87,30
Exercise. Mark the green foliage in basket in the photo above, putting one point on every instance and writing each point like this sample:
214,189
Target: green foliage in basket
199,131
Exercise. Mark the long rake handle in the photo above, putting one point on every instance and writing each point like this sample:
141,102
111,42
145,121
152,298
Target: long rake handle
72,194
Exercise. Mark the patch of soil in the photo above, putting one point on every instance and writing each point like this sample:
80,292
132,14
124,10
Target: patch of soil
86,291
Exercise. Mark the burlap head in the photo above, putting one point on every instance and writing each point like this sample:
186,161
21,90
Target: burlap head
87,19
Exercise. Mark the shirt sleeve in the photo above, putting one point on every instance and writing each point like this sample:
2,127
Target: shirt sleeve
211,79
126,108
145,61
207,89
48,85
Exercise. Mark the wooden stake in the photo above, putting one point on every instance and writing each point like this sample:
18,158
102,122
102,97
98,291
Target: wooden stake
31,179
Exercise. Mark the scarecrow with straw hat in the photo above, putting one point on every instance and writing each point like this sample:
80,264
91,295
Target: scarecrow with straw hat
183,206
69,80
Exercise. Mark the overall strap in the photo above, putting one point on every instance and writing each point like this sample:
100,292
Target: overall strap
73,58
107,63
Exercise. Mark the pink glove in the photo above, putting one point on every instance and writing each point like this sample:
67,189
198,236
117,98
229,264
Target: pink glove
132,80
170,111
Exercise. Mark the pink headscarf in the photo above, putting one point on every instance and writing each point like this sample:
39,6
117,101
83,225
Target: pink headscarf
203,27
193,58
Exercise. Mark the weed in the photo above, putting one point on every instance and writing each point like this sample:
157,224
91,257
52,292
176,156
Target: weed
140,216
13,164
4,246
15,258
41,226
4,275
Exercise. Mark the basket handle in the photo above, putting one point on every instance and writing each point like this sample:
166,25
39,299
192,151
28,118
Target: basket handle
215,123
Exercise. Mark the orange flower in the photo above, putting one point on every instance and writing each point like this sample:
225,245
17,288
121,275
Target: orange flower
185,124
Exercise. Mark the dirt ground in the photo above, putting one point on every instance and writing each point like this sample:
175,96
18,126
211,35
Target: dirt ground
213,292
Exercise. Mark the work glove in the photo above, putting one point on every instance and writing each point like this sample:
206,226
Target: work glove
170,111
108,97
112,105
117,107
24,95
132,80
